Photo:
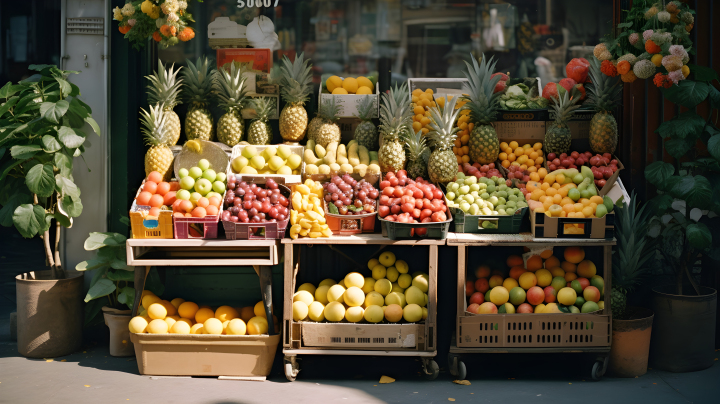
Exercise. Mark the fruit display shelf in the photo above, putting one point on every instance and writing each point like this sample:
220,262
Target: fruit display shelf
205,355
358,339
588,333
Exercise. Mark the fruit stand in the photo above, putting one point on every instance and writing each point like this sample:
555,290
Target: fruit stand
528,332
417,339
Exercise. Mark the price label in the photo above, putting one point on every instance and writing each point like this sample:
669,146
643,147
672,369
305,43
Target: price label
257,3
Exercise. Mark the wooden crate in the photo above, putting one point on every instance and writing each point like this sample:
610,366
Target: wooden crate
501,332
417,339
197,252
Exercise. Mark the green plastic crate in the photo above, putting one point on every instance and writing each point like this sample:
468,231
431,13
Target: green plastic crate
465,223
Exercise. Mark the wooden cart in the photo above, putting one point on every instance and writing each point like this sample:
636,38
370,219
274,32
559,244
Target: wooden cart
311,338
529,333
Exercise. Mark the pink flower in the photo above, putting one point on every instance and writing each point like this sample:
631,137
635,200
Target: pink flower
676,76
647,34
131,22
634,37
678,50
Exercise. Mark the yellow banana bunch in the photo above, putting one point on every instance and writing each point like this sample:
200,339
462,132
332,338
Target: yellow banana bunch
307,218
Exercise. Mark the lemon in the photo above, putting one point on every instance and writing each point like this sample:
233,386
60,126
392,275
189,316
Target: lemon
157,311
354,279
257,326
176,302
334,311
354,314
392,274
300,310
657,60
321,294
157,326
138,324
170,321
374,299
333,82
327,282
350,85
374,314
414,295
146,292
379,271
365,82
225,313
335,293
371,264
363,90
387,259
421,282
402,266
149,299
499,295
303,296
354,296
259,309
339,91
197,329
369,285
180,327
316,311
203,315
383,286
404,281
188,309
412,313
236,327
395,298
307,286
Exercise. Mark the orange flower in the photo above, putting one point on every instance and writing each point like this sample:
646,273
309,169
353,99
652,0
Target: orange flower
157,37
623,67
608,68
168,30
651,47
660,80
124,29
628,77
186,34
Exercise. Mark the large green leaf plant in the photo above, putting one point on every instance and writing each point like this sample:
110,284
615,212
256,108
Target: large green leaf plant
686,208
41,121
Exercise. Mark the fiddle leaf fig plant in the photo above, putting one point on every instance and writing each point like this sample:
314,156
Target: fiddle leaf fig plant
688,202
41,132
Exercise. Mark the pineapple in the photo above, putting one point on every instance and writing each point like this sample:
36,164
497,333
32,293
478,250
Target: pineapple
603,95
231,91
295,89
366,133
159,157
259,132
442,164
164,89
557,136
618,302
323,129
416,145
395,121
198,79
482,103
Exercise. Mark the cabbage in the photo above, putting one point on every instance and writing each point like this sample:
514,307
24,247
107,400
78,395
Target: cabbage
515,92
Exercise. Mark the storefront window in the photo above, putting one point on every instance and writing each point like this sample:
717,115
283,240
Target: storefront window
418,38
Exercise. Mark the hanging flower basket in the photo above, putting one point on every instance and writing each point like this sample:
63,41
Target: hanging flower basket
165,21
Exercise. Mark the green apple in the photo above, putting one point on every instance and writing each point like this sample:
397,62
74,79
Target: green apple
187,182
283,151
204,164
194,197
209,175
195,172
211,194
203,186
183,173
220,177
239,163
183,194
218,187
249,152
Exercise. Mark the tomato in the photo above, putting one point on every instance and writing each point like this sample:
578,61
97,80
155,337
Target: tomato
437,205
402,181
402,174
395,209
407,207
390,218
427,204
393,181
395,201
418,203
383,211
444,208
438,217
417,193
578,69
437,194
398,192
416,213
385,200
384,184
407,192
425,213
427,220
427,191
388,191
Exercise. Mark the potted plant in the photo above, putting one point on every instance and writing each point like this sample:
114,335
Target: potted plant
631,326
687,227
41,121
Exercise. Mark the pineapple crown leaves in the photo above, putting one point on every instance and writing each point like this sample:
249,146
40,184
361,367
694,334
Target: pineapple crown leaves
153,123
483,102
264,106
295,83
415,144
442,133
565,105
604,91
395,114
329,109
634,247
199,78
365,108
231,87
164,86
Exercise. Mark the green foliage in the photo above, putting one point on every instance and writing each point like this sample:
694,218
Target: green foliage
40,134
686,210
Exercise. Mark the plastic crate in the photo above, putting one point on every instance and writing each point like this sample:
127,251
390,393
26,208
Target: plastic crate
146,227
346,225
195,227
257,231
465,223
280,178
400,231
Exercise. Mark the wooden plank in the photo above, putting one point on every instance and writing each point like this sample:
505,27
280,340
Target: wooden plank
135,242
461,281
288,292
522,239
348,352
367,238
240,262
431,320
454,349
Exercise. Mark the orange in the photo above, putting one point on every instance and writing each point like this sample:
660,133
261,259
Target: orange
534,263
574,254
514,260
568,266
551,261
546,253
204,314
187,310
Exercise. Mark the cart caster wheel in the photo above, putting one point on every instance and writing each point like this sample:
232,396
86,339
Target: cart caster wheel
461,371
597,370
431,369
292,368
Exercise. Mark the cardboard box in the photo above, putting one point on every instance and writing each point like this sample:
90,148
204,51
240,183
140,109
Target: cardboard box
261,59
441,86
348,103
205,355
223,33
567,227
144,226
523,115
520,131
351,336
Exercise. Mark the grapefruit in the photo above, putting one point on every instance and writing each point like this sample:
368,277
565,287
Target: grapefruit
413,295
586,269
534,263
550,294
137,324
374,299
509,283
197,329
157,326
558,283
334,311
544,277
368,285
567,296
482,285
412,313
300,310
372,262
354,314
589,307
316,311
499,295
552,262
402,266
552,308
392,274
308,287
354,296
487,308
213,326
374,314
335,294
535,295
506,308
540,308
395,298
328,282
180,327
568,266
514,260
236,327
495,280
257,326
383,286
557,271
224,313
393,313
354,279
405,280
203,315
524,308
483,271
422,282
591,294
157,311
321,294
527,280
477,298
516,272
473,308
598,282
387,258
574,254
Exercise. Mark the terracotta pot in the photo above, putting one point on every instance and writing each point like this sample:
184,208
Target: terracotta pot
117,321
49,314
684,330
631,343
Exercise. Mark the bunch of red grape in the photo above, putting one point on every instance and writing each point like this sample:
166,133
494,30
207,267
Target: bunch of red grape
603,167
406,201
250,203
351,197
477,170
574,160
515,172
